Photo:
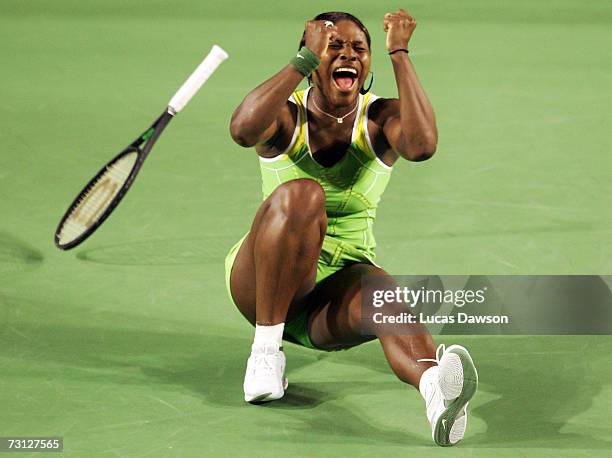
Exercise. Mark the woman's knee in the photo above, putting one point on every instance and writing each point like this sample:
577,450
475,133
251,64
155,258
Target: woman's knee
301,200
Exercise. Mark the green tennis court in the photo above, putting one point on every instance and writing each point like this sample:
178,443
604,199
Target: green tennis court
128,345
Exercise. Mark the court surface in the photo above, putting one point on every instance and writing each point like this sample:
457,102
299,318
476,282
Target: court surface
128,346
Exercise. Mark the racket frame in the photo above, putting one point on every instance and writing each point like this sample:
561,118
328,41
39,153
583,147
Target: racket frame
148,138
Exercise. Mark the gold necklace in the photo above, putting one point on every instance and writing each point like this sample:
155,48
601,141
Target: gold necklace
338,120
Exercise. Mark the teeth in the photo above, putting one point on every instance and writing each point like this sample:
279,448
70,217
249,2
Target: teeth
346,69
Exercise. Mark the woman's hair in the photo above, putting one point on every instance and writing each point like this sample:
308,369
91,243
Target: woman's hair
336,16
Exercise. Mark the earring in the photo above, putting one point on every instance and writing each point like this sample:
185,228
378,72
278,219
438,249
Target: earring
363,90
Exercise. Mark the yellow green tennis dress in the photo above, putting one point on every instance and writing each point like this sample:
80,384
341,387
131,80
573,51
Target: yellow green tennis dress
353,188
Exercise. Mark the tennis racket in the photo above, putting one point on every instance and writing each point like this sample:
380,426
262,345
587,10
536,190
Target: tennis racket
105,190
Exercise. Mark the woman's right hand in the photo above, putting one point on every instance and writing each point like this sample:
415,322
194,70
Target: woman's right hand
318,35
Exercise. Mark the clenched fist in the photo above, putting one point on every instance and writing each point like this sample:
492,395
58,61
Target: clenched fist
399,27
318,34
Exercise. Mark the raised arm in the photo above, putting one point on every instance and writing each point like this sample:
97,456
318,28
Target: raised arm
409,124
264,116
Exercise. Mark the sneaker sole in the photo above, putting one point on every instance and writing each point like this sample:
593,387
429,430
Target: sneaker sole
260,399
446,421
265,397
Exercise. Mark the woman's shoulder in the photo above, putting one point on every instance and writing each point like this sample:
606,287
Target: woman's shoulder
286,132
298,97
380,109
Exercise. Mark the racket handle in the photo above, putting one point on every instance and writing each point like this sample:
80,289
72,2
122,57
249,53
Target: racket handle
197,79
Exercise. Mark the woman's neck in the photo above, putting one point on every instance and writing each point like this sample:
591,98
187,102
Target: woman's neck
335,108
325,110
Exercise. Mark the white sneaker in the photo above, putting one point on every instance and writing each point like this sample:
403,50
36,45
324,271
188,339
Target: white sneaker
265,374
448,393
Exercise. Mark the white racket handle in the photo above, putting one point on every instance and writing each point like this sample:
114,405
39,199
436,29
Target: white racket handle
197,79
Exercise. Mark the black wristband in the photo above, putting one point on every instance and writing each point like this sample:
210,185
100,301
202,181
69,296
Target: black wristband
399,50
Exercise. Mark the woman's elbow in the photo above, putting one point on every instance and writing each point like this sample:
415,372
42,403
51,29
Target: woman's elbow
239,132
429,149
422,150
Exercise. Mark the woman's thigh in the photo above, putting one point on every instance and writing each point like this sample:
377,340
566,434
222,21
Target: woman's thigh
302,202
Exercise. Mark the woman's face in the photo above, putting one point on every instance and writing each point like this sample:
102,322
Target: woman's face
344,65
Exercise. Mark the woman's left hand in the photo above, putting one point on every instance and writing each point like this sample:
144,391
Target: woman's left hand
399,27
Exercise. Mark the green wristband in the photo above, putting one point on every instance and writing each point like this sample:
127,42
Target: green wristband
305,61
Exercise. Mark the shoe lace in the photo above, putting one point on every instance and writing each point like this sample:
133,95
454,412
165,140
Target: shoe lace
433,410
439,353
264,364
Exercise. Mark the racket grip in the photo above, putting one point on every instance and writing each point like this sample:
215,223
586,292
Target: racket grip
195,81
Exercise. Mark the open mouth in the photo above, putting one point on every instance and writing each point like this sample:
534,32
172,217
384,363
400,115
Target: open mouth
344,78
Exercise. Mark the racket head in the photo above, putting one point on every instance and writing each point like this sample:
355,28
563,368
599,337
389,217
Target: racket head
97,199
104,191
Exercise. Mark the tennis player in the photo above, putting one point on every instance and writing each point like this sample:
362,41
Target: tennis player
326,155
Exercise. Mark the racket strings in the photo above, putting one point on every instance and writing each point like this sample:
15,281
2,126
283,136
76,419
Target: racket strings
97,198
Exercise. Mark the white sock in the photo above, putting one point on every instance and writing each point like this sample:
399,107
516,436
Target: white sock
427,378
269,335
